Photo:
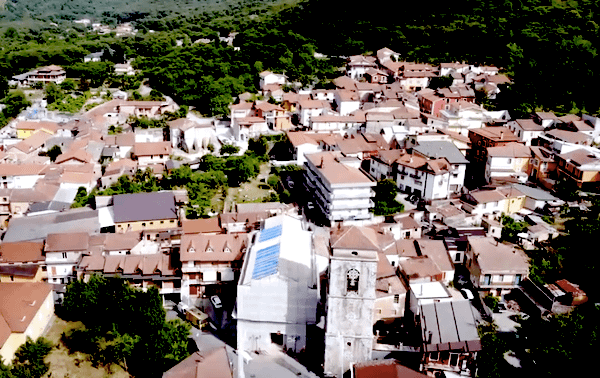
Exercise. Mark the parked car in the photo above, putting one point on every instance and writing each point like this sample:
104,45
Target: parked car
216,301
467,294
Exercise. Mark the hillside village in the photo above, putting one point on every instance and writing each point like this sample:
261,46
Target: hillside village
320,279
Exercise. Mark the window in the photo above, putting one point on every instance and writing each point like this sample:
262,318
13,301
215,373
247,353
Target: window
64,255
161,222
379,311
501,278
143,224
352,278
457,257
518,278
453,359
396,298
509,160
434,356
486,279
218,276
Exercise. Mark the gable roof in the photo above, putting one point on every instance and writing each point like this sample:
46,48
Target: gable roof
72,241
20,252
213,247
513,150
144,207
200,226
353,237
438,149
214,364
152,148
19,303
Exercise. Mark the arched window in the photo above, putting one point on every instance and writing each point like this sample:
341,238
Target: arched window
352,278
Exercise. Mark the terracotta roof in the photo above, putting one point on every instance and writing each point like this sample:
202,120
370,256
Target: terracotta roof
38,125
152,148
214,364
361,238
582,126
20,270
485,196
570,288
120,165
266,106
250,120
125,139
72,241
242,106
384,369
121,242
78,154
436,250
402,247
494,257
569,136
34,142
142,103
529,125
21,252
335,172
581,157
22,169
298,138
420,267
495,133
345,82
201,226
20,302
514,150
130,264
213,247
314,104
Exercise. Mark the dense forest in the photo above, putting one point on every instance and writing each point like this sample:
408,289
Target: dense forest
548,47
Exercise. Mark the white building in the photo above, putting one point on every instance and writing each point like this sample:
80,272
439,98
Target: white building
346,101
190,135
462,115
358,65
449,151
308,109
20,176
341,191
302,144
509,162
63,253
269,78
526,130
277,291
427,178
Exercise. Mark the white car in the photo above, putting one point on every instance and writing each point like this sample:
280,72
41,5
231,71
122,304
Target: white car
216,301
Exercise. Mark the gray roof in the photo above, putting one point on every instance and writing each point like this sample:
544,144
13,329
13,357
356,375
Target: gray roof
453,326
144,206
441,149
39,226
535,193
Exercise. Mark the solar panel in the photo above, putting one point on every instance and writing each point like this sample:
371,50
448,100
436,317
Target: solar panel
270,233
266,262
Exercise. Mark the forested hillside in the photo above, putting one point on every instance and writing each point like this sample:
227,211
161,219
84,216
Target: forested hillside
114,10
548,47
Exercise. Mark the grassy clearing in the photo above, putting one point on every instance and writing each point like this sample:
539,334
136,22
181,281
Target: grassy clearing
63,365
253,191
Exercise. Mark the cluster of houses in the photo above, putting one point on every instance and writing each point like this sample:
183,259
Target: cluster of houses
348,291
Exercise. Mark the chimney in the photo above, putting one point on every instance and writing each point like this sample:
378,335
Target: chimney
501,135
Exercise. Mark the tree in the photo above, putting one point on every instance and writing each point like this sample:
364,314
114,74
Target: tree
440,82
54,152
29,359
124,326
385,198
229,149
15,103
68,85
554,346
511,228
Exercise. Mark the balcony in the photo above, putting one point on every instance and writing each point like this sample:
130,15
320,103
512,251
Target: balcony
415,176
